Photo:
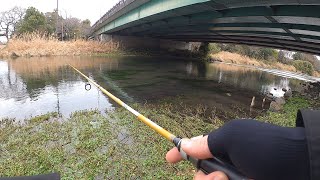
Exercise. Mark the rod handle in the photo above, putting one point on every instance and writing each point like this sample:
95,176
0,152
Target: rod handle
210,165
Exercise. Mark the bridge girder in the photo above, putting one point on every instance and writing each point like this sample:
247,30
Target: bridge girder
284,24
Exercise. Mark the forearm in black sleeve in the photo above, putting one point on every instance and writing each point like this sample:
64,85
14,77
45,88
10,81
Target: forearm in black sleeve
262,151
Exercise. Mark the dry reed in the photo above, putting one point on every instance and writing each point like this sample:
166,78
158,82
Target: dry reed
36,44
316,73
240,59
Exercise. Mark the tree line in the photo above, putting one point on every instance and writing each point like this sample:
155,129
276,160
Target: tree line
18,21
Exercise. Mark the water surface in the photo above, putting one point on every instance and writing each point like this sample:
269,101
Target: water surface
34,86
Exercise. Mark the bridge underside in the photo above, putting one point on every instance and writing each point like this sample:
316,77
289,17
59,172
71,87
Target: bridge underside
282,24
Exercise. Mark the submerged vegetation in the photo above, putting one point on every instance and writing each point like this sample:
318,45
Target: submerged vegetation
88,145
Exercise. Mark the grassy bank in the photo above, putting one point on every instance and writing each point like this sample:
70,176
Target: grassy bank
288,116
236,58
30,45
88,145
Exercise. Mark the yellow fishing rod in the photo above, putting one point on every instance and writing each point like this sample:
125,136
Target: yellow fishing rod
207,165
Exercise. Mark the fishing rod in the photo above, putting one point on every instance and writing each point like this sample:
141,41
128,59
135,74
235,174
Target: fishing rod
207,165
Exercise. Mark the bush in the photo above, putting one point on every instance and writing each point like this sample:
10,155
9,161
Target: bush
267,54
214,48
308,57
250,51
228,47
303,66
298,56
244,50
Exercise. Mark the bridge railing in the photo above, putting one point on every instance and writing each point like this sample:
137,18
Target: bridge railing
116,8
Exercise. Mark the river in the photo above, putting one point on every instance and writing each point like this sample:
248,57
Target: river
35,86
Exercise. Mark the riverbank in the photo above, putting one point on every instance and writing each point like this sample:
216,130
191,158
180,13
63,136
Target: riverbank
88,145
287,117
235,58
35,45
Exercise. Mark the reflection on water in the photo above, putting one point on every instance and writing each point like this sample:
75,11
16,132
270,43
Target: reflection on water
250,79
35,86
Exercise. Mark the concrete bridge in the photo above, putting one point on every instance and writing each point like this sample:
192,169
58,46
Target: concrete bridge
283,24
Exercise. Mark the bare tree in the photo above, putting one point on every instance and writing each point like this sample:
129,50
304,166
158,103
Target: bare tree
74,28
9,20
85,28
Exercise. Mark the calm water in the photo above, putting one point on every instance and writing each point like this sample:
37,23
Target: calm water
35,86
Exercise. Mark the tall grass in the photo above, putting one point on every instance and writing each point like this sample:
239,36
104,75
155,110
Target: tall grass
37,44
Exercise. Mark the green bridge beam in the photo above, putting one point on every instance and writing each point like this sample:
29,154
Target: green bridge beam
151,8
143,13
281,23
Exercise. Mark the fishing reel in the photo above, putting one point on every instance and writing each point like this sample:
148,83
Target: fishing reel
87,86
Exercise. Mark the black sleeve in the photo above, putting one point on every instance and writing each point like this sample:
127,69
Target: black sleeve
262,151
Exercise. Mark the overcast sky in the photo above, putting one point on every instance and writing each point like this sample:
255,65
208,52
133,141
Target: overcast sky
81,9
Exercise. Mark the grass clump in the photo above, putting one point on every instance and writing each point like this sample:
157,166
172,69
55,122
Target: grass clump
303,66
288,116
45,117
